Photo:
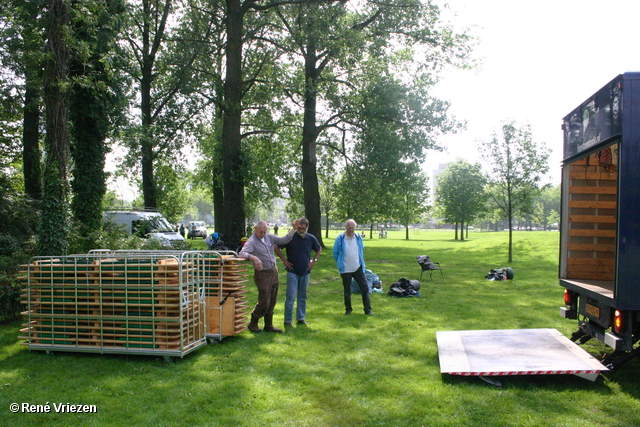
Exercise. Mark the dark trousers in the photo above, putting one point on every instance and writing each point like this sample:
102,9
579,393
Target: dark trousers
361,280
267,284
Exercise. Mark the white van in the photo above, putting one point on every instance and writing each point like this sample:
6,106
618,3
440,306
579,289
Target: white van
146,224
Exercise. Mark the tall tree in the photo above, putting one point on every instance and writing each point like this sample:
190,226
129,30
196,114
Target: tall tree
516,165
53,232
150,23
328,40
23,40
547,206
244,30
94,101
165,42
460,193
396,124
316,33
411,194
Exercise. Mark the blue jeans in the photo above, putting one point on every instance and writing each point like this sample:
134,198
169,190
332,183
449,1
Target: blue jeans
296,286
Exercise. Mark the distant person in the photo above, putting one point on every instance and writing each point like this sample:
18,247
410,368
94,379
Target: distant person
182,230
259,250
298,264
348,251
275,229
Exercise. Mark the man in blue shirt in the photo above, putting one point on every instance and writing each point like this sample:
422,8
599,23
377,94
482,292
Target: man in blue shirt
298,264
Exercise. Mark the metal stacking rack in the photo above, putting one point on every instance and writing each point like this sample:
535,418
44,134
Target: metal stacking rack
106,302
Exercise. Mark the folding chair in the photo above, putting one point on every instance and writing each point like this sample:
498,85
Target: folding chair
427,265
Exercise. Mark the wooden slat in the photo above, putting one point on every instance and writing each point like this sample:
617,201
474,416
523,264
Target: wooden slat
581,232
591,261
593,190
592,204
582,161
603,219
590,247
590,276
605,269
593,176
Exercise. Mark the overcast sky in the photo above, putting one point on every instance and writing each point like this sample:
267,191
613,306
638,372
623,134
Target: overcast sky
540,60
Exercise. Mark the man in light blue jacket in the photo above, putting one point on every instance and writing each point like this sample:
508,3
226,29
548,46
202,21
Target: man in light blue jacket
348,251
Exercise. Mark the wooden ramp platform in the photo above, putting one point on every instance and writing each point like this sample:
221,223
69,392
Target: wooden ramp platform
490,353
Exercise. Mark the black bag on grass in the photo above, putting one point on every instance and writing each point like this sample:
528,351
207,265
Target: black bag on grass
405,288
505,273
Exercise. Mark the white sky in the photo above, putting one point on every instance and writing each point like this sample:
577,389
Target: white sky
540,60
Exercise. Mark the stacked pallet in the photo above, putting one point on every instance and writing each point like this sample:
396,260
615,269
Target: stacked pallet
225,290
114,303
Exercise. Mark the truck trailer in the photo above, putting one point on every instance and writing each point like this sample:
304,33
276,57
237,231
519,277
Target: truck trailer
600,218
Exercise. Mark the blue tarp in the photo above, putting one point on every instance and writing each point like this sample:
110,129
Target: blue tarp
372,280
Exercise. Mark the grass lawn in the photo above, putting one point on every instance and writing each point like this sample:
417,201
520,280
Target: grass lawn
356,370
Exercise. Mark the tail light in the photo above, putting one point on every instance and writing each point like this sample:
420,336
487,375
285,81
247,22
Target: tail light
569,297
617,322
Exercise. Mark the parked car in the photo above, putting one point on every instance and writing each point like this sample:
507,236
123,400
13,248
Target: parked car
197,229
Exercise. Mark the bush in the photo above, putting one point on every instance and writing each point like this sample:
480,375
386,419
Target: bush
10,297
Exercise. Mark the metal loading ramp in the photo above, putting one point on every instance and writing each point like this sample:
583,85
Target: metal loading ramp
514,352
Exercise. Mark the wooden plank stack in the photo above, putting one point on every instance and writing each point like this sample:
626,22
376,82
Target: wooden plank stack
225,276
116,303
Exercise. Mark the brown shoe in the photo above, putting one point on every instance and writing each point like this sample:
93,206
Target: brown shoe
268,324
253,325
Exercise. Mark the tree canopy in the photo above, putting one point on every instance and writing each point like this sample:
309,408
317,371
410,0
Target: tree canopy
460,193
270,98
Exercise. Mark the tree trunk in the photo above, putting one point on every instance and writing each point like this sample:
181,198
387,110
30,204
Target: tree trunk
232,176
31,139
146,139
90,126
309,137
218,204
327,225
52,238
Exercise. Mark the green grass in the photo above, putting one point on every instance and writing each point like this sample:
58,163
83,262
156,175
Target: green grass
345,370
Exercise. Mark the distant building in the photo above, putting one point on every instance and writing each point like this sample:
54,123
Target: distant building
434,179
